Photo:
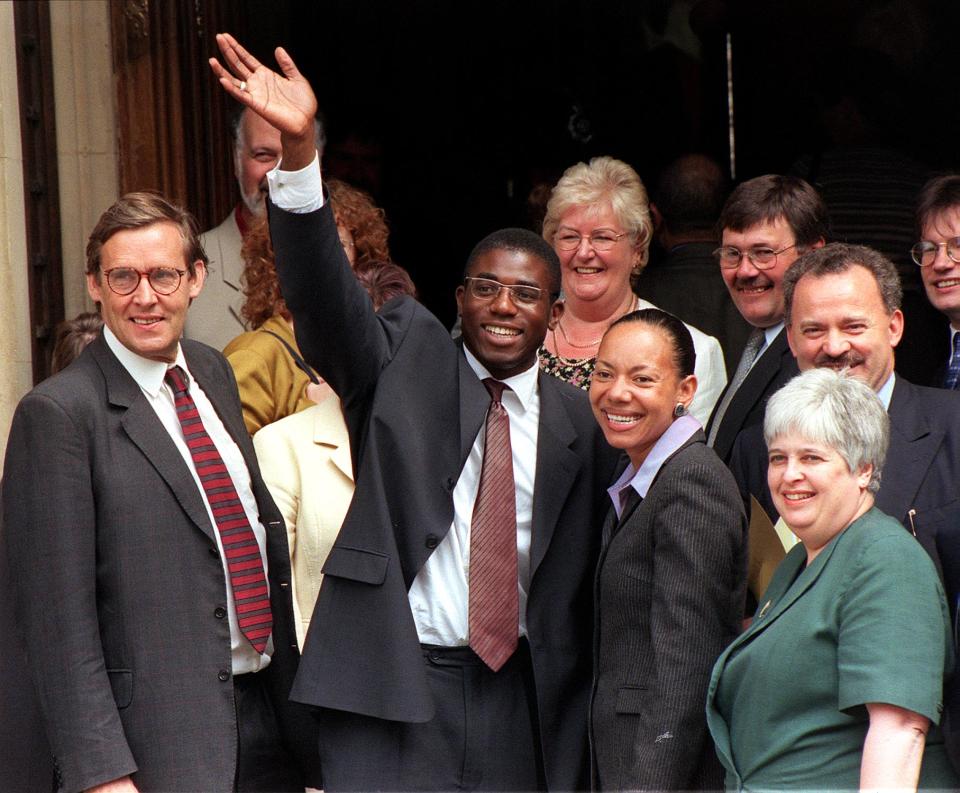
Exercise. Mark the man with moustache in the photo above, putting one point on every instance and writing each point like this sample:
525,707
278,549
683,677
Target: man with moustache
215,316
441,656
938,255
766,223
843,311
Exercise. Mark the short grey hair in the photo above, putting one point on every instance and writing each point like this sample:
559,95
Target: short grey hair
836,410
236,130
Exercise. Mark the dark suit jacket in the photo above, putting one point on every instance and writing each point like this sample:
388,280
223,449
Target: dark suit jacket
670,595
117,579
413,408
688,284
921,475
774,369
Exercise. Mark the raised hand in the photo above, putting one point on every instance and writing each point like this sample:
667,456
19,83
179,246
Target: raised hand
286,101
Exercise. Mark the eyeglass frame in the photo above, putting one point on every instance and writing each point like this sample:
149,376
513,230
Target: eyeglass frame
749,253
580,238
936,248
140,276
511,288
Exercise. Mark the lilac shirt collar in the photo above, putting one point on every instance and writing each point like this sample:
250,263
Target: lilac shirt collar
676,435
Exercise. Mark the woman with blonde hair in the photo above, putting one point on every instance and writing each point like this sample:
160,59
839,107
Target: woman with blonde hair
598,222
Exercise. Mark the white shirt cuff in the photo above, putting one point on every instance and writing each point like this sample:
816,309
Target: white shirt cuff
296,191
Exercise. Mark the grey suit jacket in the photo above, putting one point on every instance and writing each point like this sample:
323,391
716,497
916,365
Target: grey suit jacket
118,584
413,408
214,318
670,591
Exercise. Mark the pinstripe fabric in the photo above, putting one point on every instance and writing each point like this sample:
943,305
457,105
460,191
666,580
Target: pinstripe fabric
244,564
494,601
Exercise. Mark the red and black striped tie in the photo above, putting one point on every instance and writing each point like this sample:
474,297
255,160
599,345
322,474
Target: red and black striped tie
240,547
494,610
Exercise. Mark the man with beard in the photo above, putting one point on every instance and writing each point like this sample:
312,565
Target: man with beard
215,317
766,224
843,311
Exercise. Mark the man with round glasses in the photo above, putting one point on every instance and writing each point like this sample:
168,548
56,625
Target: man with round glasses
766,223
148,565
938,255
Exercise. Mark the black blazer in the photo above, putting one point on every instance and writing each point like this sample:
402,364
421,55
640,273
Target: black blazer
670,591
117,581
774,369
413,407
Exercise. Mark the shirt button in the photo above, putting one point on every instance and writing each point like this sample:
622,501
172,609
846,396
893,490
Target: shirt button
219,612
431,541
223,675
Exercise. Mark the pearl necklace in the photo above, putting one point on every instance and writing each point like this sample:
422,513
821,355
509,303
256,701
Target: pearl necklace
590,345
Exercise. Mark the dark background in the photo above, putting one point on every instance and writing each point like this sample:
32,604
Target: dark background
450,113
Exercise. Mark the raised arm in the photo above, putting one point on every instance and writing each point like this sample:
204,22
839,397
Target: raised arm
286,101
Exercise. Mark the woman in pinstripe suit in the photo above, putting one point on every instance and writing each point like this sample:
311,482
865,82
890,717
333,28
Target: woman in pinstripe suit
672,573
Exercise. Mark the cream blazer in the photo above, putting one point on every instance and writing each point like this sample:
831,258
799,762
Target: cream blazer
305,461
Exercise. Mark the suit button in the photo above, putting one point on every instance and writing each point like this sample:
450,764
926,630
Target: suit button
219,612
223,675
213,551
431,541
451,483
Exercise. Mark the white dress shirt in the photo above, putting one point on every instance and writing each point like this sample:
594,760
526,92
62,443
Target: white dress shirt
149,375
439,595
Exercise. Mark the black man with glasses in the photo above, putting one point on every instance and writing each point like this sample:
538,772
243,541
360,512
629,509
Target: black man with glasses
450,645
766,224
148,563
938,256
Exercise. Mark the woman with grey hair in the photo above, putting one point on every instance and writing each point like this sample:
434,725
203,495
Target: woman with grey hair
598,222
838,681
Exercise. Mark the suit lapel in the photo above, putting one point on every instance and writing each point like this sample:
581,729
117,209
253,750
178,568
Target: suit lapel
913,445
329,430
474,403
146,431
557,467
751,390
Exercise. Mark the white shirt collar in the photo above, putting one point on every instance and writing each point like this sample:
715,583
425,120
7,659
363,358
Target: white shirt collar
885,392
771,333
524,385
147,372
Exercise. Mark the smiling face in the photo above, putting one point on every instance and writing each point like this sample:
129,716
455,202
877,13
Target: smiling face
814,490
502,334
942,278
758,294
839,321
588,274
257,151
146,323
636,387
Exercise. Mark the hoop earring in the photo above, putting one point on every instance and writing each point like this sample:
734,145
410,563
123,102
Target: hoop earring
679,410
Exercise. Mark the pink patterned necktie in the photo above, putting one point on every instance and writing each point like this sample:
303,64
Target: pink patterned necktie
494,610
244,564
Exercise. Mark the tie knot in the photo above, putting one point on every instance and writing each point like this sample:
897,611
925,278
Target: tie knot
496,388
176,378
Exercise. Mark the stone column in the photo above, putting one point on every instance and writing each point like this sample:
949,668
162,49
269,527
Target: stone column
86,132
15,363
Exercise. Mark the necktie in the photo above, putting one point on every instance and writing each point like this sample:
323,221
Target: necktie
754,344
494,601
953,369
244,564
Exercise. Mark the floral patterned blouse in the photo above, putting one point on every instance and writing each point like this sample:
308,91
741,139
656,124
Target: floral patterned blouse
576,371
